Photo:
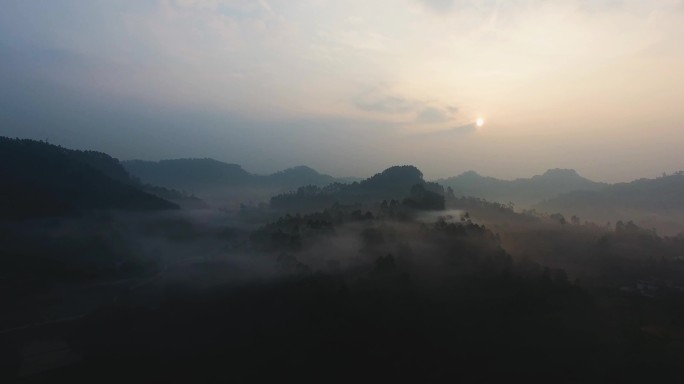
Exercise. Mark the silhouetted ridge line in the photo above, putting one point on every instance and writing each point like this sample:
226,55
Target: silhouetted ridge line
205,176
522,191
663,195
46,180
401,183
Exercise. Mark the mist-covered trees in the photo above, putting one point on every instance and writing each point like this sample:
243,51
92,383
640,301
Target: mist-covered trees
426,197
403,183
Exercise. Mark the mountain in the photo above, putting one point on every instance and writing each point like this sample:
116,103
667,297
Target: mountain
663,196
213,178
182,199
295,177
40,180
522,191
187,174
398,182
390,180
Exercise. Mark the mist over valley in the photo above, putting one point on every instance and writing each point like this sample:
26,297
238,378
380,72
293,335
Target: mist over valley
201,191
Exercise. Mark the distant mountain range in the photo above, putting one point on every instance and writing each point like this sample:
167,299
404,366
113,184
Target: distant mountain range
209,177
662,196
524,191
40,180
202,176
652,203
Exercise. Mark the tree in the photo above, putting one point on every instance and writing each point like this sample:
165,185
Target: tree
575,220
558,217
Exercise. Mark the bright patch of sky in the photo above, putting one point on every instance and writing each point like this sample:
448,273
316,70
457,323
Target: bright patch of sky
351,87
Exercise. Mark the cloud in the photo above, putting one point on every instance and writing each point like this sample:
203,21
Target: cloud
359,39
390,104
242,6
436,115
457,131
381,101
462,130
438,5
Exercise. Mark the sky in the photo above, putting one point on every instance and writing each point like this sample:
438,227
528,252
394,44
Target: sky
353,87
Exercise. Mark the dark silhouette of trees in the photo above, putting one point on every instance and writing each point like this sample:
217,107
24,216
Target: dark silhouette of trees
422,198
46,180
395,183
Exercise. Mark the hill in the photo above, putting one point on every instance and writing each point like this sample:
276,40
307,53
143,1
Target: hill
522,191
216,180
641,200
43,180
187,174
395,183
294,177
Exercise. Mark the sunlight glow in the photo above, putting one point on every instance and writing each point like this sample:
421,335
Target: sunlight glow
479,122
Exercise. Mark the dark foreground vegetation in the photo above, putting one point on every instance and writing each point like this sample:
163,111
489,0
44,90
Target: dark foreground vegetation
341,295
385,279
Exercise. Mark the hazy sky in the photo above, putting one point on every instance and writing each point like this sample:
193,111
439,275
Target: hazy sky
351,87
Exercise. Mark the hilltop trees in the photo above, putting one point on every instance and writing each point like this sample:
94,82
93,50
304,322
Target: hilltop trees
43,180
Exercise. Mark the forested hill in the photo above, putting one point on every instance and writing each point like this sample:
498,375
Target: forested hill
662,195
198,175
401,183
522,191
40,179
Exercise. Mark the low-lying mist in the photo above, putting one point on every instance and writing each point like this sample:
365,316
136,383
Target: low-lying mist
374,286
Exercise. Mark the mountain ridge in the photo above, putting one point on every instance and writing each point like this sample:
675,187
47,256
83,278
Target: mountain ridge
47,180
658,195
197,174
521,191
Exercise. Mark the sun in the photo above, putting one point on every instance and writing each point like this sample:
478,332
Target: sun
479,122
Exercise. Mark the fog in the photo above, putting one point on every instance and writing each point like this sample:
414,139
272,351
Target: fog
367,283
425,190
399,268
